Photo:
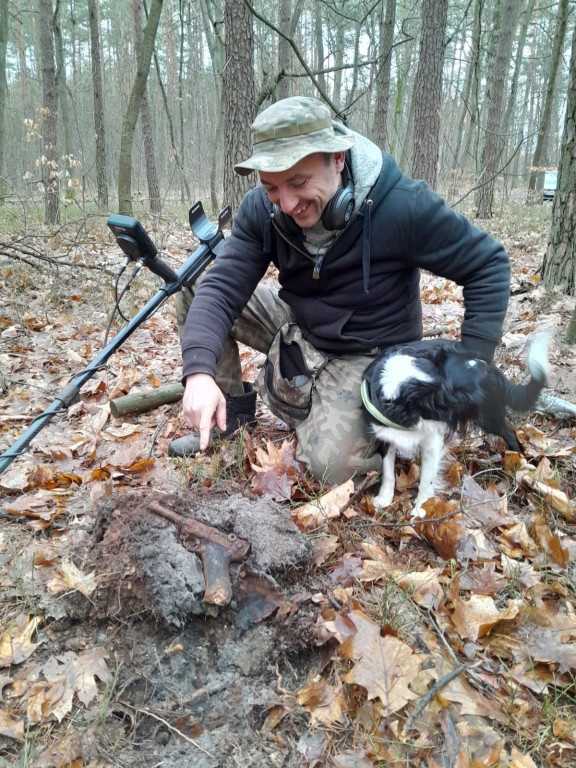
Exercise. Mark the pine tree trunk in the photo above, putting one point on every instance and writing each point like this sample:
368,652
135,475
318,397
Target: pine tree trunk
238,98
4,19
96,64
49,161
559,268
541,158
61,87
494,144
149,152
133,109
381,108
428,91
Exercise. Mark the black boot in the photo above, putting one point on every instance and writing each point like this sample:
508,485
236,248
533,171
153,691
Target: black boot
240,410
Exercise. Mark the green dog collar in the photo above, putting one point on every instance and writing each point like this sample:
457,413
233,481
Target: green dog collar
373,411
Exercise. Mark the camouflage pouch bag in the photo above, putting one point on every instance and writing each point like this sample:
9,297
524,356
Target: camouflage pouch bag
286,381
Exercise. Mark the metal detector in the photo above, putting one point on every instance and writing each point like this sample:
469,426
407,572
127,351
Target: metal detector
138,247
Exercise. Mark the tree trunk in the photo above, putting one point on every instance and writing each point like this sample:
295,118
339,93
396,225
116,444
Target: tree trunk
4,19
559,268
133,109
284,86
494,143
541,158
386,40
467,123
513,127
149,152
428,91
99,131
238,98
216,46
61,85
49,160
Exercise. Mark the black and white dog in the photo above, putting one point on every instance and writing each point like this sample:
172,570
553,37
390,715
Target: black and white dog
417,395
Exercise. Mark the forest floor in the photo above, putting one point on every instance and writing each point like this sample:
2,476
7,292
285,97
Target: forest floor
353,638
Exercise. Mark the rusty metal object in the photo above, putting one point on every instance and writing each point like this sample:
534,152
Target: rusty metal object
216,549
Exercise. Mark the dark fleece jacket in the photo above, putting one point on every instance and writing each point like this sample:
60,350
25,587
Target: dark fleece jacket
367,293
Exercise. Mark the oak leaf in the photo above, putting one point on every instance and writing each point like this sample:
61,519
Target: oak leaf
16,643
475,617
68,578
384,666
326,703
11,726
277,470
326,507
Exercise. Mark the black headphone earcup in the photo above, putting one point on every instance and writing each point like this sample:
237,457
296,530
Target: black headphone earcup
339,208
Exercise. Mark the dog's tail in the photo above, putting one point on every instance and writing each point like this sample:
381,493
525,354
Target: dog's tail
522,397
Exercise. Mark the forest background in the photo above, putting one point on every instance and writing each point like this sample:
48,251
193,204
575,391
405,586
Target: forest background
469,95
142,107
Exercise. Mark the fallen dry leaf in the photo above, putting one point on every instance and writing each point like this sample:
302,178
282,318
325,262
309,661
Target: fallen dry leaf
384,666
326,703
68,578
475,617
16,643
277,470
326,507
11,726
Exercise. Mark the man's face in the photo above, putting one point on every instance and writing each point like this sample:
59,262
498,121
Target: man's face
303,190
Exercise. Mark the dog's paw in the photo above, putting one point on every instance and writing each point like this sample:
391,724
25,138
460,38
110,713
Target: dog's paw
418,512
383,499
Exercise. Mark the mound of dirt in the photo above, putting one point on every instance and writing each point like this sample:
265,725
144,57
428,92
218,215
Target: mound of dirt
195,681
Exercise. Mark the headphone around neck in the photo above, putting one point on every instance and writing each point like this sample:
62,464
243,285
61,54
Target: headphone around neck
337,211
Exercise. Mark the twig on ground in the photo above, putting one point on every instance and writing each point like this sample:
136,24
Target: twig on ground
429,695
359,491
167,724
407,523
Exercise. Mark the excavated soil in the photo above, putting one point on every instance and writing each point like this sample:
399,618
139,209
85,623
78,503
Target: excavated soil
196,681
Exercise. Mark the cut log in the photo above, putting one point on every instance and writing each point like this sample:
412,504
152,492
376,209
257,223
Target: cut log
138,402
556,406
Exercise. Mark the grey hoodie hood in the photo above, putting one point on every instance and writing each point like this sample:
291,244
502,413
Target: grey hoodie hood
366,160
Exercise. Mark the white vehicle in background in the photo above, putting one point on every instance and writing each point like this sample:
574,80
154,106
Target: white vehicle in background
549,189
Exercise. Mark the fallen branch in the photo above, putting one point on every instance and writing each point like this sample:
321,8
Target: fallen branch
138,402
13,251
556,406
368,481
429,695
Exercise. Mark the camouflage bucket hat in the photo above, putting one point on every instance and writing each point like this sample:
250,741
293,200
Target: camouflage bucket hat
289,130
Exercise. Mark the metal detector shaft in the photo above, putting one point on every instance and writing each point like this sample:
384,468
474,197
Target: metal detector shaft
212,239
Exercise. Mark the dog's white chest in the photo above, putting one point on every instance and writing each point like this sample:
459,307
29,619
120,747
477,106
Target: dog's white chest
409,443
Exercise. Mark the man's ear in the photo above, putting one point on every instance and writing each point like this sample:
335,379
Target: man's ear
339,158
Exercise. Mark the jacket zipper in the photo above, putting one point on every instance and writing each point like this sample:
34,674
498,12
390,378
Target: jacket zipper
318,259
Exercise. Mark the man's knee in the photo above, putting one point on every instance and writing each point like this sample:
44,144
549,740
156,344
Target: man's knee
334,463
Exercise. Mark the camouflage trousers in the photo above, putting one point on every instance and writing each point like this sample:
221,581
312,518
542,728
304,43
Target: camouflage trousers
331,438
